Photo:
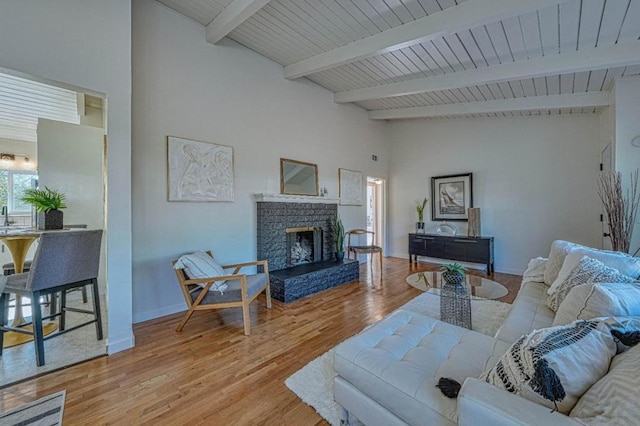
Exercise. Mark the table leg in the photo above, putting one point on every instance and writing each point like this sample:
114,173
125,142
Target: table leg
19,248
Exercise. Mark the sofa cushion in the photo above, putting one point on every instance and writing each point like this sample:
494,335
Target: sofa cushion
587,301
529,312
399,360
588,270
613,400
622,262
559,250
556,365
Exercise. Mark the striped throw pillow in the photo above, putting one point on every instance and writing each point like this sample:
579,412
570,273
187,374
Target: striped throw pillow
201,265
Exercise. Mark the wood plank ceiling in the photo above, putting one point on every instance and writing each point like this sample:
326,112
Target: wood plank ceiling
440,58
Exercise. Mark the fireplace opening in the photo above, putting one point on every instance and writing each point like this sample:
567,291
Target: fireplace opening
304,245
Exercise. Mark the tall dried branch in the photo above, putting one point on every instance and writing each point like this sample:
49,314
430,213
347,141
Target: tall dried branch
620,210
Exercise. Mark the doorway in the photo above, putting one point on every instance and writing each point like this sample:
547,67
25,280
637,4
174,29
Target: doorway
376,210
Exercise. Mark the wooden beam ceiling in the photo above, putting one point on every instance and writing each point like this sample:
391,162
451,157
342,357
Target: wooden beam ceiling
470,14
574,100
233,15
582,60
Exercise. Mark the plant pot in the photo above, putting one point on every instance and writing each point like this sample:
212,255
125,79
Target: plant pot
50,220
339,256
453,277
419,227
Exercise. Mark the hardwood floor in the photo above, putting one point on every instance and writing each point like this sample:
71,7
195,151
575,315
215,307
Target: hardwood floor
211,373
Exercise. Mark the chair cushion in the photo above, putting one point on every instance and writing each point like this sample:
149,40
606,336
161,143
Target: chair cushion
398,361
588,301
556,364
233,293
588,270
200,265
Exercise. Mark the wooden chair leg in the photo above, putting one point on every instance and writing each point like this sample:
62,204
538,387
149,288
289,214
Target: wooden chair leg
38,342
96,307
185,319
267,293
246,318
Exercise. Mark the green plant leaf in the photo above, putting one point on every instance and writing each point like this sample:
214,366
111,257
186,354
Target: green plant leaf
44,200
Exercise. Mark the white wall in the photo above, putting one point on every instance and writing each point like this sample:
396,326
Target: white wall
87,44
186,87
627,118
534,179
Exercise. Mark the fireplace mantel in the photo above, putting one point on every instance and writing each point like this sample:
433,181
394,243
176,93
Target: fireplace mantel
283,198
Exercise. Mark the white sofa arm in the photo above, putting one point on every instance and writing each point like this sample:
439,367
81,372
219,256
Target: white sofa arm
480,403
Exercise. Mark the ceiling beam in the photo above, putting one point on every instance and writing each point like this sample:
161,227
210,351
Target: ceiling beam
233,15
470,14
583,60
573,100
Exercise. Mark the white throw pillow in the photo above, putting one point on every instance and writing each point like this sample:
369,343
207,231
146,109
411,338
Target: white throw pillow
613,400
201,265
556,364
559,250
587,271
588,301
622,262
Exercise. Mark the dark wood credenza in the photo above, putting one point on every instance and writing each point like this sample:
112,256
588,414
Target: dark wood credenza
465,249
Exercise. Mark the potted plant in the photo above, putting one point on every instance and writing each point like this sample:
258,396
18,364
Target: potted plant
420,222
453,273
48,203
337,235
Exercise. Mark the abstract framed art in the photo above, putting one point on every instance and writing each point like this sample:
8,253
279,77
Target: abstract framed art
350,187
199,171
452,195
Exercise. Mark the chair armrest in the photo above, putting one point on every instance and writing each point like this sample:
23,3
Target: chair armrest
480,403
238,266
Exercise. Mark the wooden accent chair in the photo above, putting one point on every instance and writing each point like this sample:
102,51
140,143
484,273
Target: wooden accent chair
63,261
241,291
363,249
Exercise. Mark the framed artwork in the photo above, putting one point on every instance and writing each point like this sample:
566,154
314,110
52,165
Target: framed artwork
350,187
452,195
199,171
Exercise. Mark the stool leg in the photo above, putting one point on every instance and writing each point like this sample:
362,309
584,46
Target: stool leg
4,316
62,319
84,295
96,308
38,342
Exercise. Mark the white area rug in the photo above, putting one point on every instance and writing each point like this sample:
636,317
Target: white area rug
313,383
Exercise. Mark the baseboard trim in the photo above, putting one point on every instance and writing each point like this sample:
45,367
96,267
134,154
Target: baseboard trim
157,313
121,344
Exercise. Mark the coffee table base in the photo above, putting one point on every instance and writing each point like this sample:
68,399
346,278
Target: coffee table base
455,305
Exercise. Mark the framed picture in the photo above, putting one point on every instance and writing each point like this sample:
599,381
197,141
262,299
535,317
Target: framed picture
452,195
199,171
350,187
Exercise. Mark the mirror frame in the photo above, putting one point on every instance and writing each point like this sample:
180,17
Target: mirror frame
282,182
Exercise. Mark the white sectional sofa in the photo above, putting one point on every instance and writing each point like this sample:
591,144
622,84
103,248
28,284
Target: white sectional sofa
387,374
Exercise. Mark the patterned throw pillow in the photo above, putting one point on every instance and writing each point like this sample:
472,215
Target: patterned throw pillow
587,271
559,250
613,400
555,366
201,265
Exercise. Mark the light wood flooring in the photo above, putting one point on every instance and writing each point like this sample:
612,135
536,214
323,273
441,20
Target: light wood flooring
211,373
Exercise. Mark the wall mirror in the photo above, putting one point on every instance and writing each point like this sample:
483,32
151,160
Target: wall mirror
298,177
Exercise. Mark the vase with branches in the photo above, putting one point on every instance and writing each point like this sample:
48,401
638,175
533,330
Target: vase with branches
420,223
621,208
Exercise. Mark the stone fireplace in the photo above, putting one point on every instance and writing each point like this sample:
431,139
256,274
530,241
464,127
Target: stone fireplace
304,245
293,234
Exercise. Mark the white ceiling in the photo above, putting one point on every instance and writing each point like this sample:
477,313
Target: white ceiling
440,58
23,101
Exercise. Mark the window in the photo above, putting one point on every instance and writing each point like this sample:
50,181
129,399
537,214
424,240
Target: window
13,183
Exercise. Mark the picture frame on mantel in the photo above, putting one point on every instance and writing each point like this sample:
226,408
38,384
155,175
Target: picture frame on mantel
452,196
350,187
199,171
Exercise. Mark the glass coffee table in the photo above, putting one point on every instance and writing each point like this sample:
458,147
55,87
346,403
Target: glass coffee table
455,300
